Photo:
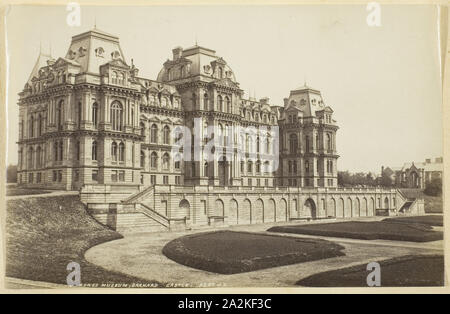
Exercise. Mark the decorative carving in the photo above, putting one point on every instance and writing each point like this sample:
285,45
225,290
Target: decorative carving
207,69
72,54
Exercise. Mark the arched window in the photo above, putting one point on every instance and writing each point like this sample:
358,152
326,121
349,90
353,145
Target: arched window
142,126
268,144
120,78
221,137
61,147
166,135
206,169
290,166
31,126
79,111
38,157
307,166
294,166
205,101
249,166
95,114
329,145
247,143
220,73
114,151
177,163
77,150
39,131
257,144
59,114
165,161
220,103
307,144
30,158
142,159
154,134
55,151
121,152
194,100
228,104
94,150
318,141
258,167
116,116
114,77
154,160
293,143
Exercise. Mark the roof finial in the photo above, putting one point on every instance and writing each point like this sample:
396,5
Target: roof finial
305,81
196,43
95,22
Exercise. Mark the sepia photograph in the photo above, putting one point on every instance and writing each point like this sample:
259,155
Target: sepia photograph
224,146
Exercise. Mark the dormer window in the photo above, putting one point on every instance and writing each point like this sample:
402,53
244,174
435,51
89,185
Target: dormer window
99,52
82,51
115,55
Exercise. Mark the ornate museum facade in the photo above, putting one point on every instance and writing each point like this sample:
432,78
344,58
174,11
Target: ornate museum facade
88,118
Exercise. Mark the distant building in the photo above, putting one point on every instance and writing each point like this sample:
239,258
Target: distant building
414,174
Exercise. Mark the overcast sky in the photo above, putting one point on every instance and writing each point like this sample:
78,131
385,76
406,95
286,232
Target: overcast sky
382,82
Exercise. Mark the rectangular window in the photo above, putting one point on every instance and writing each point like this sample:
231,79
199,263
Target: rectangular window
95,175
177,180
166,180
258,182
249,182
266,182
114,176
153,179
76,175
122,176
38,177
30,178
60,176
142,179
55,175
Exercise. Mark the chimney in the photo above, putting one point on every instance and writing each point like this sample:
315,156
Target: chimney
286,101
428,161
177,53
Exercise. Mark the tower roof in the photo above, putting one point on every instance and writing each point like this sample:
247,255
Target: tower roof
94,48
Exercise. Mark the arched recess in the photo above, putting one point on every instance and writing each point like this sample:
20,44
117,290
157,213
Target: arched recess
386,203
257,214
331,209
281,211
233,214
348,208
269,211
219,209
186,208
357,209
309,209
364,207
340,208
244,213
371,208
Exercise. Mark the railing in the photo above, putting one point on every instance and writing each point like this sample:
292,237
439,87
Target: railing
144,193
154,215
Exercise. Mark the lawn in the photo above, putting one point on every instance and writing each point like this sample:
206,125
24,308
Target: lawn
366,231
404,271
43,238
431,220
228,252
15,191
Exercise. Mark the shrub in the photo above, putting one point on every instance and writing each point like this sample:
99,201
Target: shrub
434,187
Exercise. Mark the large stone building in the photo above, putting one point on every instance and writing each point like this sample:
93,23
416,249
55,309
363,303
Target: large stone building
184,149
89,118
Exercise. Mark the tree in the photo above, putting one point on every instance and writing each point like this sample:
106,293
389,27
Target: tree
386,180
433,187
11,174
